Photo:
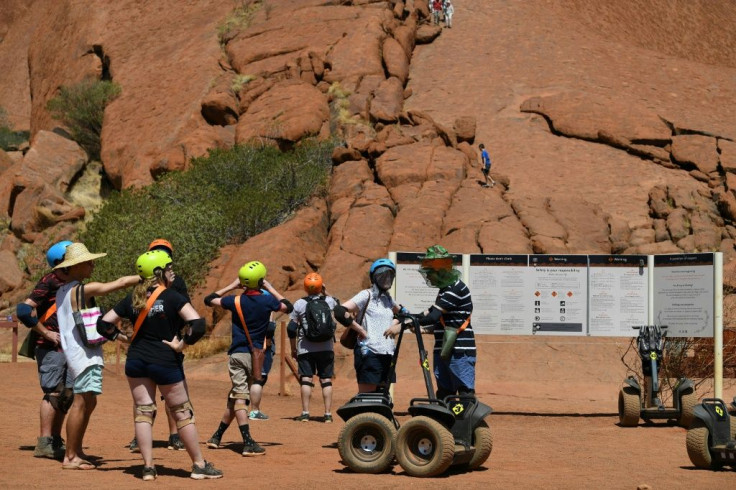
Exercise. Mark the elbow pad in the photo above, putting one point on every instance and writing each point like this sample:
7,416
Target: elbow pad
291,329
342,315
198,330
208,299
431,318
23,312
107,329
289,306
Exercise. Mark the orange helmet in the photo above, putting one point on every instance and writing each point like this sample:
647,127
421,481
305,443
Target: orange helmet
161,244
313,283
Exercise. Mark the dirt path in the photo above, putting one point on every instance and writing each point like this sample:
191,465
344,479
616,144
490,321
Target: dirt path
549,435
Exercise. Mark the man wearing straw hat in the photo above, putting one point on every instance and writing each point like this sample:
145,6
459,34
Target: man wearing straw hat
84,362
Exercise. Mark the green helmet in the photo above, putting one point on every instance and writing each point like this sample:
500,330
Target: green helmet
251,274
151,261
437,268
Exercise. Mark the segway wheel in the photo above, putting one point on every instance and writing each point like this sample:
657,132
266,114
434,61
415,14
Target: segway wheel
687,408
697,444
424,447
483,442
629,407
366,443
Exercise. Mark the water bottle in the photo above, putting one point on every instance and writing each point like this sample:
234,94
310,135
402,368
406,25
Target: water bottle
363,347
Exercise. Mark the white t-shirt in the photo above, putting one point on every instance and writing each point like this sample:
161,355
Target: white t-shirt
304,345
78,356
378,317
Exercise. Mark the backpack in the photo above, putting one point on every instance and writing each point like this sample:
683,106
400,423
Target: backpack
319,326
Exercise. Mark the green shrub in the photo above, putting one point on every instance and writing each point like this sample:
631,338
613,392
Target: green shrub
81,108
9,139
224,198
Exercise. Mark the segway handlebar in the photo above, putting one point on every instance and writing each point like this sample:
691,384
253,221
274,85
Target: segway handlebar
639,327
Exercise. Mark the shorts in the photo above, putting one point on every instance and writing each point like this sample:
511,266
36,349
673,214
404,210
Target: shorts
320,363
51,369
371,368
161,375
240,367
458,372
89,381
486,170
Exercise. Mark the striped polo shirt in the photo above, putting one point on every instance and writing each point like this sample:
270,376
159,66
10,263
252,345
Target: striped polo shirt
457,305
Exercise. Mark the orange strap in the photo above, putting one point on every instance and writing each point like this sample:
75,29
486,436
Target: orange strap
242,320
144,312
462,327
49,312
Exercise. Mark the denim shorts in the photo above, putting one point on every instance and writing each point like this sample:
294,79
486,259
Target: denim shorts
458,372
89,381
371,368
161,375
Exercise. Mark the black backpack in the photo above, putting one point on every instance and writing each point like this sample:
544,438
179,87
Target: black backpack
319,326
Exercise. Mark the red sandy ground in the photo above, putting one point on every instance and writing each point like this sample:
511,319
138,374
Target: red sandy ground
554,426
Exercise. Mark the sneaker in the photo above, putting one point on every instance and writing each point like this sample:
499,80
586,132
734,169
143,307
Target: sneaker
214,443
175,443
303,418
328,419
251,448
149,473
486,185
133,446
207,472
257,415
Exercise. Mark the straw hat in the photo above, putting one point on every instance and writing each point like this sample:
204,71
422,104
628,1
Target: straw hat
77,253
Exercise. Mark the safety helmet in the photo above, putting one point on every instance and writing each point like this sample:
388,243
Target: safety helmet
251,274
161,244
383,273
55,255
382,262
313,283
150,262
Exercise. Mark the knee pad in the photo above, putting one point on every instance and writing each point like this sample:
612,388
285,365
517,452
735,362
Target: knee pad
183,409
145,413
304,382
260,382
325,384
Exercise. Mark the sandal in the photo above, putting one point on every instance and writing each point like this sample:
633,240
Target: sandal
82,464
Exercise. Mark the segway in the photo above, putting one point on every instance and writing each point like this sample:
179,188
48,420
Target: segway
711,439
366,441
444,432
631,406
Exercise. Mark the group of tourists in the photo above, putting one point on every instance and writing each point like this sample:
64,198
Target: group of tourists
70,330
439,9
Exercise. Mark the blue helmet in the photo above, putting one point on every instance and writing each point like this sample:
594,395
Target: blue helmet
55,255
380,263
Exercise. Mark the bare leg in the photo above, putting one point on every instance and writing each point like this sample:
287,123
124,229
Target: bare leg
306,391
176,394
76,424
144,393
256,392
327,394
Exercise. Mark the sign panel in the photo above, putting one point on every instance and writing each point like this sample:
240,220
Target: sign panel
559,294
499,286
411,289
617,294
683,294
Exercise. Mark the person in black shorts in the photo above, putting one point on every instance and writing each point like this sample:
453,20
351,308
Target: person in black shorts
154,360
180,287
314,358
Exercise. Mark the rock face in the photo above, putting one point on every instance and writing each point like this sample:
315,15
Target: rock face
593,150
